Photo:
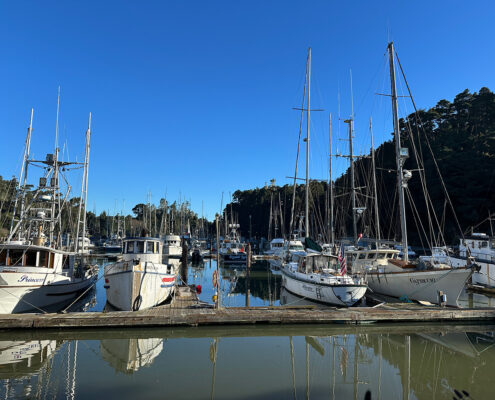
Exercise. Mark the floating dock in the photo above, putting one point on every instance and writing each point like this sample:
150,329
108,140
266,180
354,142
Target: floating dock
186,310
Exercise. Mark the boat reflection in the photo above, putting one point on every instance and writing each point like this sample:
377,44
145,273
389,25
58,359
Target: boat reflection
21,359
129,355
290,361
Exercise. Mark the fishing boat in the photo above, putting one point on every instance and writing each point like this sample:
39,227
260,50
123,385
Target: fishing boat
232,250
291,248
402,278
476,248
275,245
171,246
140,280
36,271
316,276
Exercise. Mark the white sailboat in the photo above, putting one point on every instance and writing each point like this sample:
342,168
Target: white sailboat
140,280
317,276
401,278
35,270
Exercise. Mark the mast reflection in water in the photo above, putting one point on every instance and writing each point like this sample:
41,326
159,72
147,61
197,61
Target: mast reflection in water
276,362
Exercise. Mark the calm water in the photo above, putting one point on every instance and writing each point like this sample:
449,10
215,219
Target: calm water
255,362
290,362
264,285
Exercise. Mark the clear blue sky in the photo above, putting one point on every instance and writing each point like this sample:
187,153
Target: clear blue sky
194,98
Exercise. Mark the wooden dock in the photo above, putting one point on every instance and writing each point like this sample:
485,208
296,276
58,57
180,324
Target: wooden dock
186,310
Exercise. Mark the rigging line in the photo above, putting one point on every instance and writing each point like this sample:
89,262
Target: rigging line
429,147
417,220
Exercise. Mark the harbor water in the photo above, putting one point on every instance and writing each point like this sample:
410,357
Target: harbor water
248,362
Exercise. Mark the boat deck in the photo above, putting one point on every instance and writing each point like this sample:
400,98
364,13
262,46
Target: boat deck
186,310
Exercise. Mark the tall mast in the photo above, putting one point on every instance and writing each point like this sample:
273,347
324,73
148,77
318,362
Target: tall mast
399,158
306,230
23,174
330,182
84,190
375,192
350,121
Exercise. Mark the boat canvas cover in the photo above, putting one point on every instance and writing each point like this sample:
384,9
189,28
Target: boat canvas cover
311,244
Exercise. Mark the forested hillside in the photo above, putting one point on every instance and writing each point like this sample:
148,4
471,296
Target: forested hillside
454,138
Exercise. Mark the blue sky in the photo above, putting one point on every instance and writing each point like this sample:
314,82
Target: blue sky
194,98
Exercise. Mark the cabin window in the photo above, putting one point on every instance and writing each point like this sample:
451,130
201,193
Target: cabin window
16,257
31,258
484,244
362,256
43,262
140,247
371,256
354,256
381,255
130,247
3,257
150,247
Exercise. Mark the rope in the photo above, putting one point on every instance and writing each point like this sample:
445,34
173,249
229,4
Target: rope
25,301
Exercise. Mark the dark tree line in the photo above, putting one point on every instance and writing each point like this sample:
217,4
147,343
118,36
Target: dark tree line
453,141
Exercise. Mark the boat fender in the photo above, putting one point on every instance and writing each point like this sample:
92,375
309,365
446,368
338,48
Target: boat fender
198,289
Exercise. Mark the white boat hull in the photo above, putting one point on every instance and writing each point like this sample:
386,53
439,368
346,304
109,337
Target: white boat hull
22,289
137,287
344,295
421,285
485,276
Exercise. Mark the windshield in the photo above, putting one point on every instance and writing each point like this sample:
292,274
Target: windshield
296,247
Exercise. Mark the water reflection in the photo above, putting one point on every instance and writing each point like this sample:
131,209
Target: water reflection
331,361
128,355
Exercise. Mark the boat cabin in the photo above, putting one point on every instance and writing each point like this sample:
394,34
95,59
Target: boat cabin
23,255
172,240
294,245
478,245
143,249
317,263
277,243
363,259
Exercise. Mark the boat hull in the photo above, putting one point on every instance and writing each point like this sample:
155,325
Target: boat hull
420,285
137,287
234,258
344,295
28,291
485,276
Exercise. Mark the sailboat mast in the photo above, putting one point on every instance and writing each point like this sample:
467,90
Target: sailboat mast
375,192
84,191
400,160
350,122
306,231
23,174
330,183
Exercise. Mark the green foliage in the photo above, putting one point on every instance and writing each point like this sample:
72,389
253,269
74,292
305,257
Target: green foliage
461,137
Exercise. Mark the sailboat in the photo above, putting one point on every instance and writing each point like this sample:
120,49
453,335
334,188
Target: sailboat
36,271
316,276
399,277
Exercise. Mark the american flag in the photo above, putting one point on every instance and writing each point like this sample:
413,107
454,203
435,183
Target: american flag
343,264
